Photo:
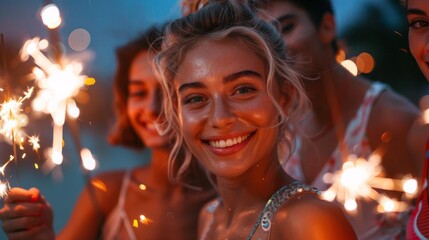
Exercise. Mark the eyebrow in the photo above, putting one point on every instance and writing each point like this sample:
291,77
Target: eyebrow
415,11
227,79
196,85
245,73
132,82
284,17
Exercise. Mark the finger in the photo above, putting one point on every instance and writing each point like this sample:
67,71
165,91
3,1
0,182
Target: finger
38,232
15,210
21,224
22,195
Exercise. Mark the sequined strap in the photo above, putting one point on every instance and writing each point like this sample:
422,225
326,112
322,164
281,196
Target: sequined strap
277,200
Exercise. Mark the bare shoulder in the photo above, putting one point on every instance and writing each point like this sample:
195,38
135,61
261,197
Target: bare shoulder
95,202
388,128
419,133
392,111
106,187
308,217
416,140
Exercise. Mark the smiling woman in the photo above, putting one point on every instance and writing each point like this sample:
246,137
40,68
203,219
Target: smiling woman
232,99
418,21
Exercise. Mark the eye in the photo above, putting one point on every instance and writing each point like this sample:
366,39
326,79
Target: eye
137,93
286,27
417,24
244,90
194,99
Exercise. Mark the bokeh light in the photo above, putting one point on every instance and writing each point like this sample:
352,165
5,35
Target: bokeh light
79,39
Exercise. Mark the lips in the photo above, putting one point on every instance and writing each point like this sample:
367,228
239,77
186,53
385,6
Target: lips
229,142
228,146
152,127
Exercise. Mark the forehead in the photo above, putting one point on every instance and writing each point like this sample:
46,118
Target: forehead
277,9
141,64
217,59
418,4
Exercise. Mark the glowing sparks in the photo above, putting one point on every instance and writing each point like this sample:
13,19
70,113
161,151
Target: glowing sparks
34,141
4,185
88,161
3,168
4,189
13,120
98,184
359,178
51,16
145,220
58,85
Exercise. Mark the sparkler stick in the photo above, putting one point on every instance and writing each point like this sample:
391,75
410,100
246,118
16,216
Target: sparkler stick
12,120
5,77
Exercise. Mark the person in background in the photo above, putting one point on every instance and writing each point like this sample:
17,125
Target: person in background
418,34
352,117
232,98
142,195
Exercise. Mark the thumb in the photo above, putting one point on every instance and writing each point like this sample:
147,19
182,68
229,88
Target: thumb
22,195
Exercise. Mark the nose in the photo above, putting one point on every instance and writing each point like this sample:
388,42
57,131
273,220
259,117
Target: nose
156,102
151,106
222,114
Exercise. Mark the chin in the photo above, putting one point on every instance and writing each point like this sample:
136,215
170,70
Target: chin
156,144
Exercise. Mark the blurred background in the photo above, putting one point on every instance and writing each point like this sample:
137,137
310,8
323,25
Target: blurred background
373,35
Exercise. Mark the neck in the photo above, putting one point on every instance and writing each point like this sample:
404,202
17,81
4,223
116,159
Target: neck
253,190
329,105
159,165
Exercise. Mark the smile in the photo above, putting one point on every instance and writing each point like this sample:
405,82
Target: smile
151,126
224,143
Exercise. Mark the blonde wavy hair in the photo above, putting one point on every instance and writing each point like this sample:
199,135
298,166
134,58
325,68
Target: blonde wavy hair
215,21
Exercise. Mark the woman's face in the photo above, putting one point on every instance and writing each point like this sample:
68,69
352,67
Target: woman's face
299,34
418,33
227,118
144,102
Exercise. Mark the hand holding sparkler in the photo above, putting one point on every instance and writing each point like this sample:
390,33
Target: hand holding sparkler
27,215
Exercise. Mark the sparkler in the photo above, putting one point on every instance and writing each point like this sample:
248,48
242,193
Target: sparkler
59,81
57,87
359,178
12,122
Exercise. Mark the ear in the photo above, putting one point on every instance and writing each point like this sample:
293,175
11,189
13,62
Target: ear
283,99
327,28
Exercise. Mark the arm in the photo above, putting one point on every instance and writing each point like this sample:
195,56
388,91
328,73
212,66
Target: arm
27,215
393,116
93,205
417,137
311,218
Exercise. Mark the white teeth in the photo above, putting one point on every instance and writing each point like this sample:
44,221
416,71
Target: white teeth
151,126
228,142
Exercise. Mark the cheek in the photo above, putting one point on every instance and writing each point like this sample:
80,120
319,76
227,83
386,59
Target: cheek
261,114
190,121
416,47
131,109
